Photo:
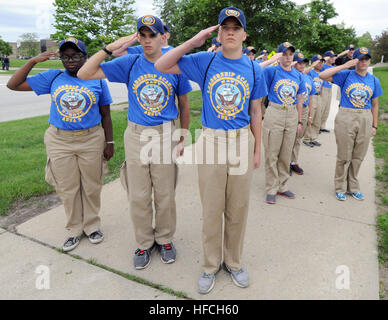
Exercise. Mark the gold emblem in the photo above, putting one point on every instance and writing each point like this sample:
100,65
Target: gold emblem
148,20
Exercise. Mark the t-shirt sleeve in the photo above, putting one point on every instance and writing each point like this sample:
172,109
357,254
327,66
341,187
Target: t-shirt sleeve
41,82
302,86
268,76
135,50
377,92
117,70
193,66
260,88
340,77
105,98
184,85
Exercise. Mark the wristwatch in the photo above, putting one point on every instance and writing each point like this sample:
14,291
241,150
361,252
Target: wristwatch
300,122
374,127
107,51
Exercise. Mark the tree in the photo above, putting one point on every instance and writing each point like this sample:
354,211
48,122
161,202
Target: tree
30,45
96,22
5,48
380,47
269,22
365,40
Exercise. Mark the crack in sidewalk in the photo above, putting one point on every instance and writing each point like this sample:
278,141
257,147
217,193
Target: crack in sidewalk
93,262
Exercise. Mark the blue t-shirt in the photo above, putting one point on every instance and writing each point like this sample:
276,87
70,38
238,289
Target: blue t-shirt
259,60
74,102
284,86
326,84
139,49
318,82
228,88
357,91
151,94
310,88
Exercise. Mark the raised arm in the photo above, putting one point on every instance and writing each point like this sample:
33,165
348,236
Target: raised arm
123,49
328,74
18,81
307,70
91,70
168,63
274,59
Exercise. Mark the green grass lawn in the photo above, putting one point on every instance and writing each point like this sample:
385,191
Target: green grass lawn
50,64
32,72
381,152
23,155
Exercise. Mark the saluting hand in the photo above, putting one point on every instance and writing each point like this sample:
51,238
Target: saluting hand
123,41
200,38
44,56
351,63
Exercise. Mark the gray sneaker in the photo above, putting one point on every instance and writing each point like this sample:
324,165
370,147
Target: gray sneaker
240,277
96,237
71,243
167,252
271,198
142,258
206,282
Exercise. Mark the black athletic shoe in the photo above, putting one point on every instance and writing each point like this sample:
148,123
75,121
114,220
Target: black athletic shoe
316,143
296,169
309,144
324,130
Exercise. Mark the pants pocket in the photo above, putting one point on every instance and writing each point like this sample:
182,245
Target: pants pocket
124,176
49,176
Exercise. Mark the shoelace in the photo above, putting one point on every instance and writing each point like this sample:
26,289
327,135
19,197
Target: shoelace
167,246
140,252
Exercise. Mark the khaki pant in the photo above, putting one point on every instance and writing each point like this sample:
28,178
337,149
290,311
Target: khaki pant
279,131
326,103
150,169
353,130
312,131
298,138
224,191
75,167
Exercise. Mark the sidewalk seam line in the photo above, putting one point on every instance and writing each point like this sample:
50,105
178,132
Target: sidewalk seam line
122,274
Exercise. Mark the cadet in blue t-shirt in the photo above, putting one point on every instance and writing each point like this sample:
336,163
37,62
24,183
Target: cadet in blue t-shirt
310,138
356,121
76,144
232,86
282,121
152,114
300,65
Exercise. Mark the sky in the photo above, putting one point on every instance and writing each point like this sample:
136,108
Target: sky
20,16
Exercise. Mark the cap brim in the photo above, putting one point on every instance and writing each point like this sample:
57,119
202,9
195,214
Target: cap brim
72,44
149,27
363,55
222,21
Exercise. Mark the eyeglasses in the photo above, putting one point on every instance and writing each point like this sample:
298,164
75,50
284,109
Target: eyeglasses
75,58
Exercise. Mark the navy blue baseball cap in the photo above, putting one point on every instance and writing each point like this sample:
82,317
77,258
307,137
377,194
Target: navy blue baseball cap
350,47
151,22
361,53
300,58
330,54
166,27
263,52
234,13
75,43
285,46
317,57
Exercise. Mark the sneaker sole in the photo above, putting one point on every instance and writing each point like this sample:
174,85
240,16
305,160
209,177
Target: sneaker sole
96,241
270,202
233,279
141,268
167,262
358,199
284,196
210,289
67,249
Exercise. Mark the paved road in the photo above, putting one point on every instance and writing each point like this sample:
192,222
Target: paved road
20,105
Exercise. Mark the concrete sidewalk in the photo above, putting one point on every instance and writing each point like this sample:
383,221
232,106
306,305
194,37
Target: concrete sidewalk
292,249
